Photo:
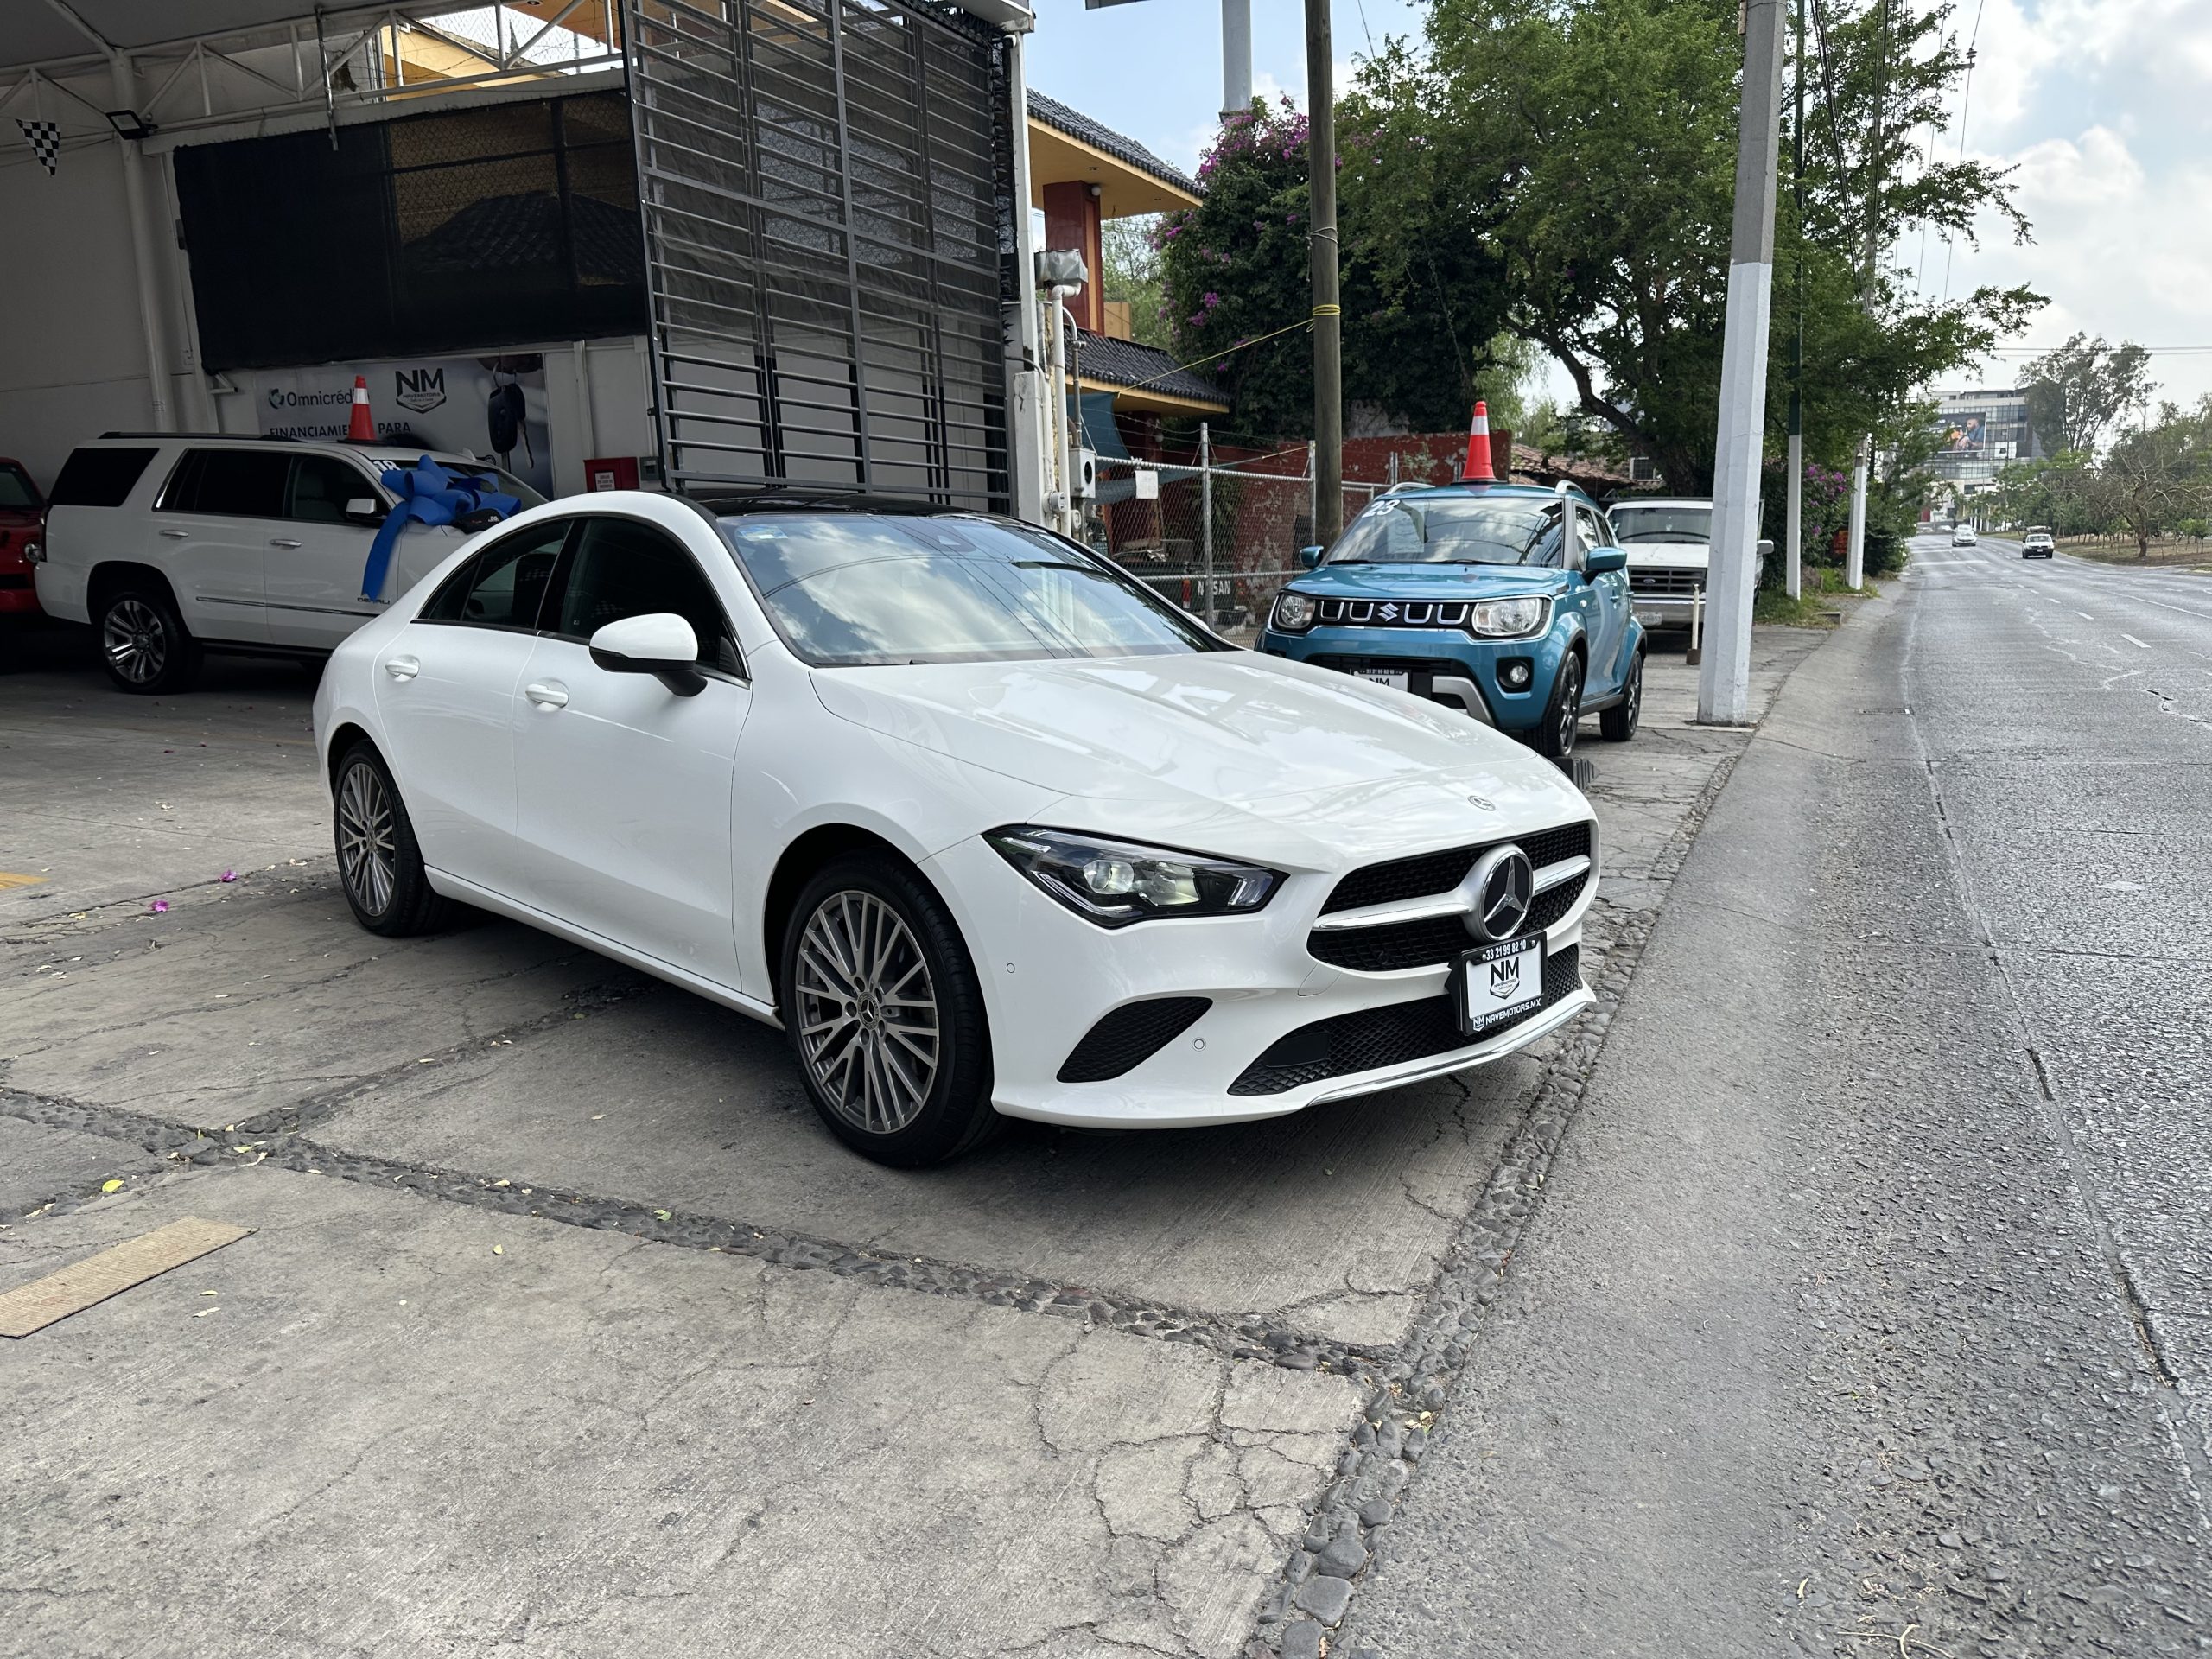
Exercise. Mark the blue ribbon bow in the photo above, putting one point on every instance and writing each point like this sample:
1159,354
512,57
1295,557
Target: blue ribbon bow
428,494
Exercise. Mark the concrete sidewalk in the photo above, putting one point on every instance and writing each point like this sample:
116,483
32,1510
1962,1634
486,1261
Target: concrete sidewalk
566,1328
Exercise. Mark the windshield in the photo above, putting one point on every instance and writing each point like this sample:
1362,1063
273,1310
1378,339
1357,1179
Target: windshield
1662,524
850,589
15,489
1451,530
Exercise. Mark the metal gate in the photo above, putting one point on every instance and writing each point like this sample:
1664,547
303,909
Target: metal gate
826,190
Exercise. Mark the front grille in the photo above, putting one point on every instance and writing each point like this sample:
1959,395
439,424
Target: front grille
1434,873
1408,665
1663,584
1346,1044
1392,612
1432,940
1130,1034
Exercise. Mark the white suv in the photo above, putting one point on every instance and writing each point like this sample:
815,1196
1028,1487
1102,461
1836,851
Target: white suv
1669,542
169,543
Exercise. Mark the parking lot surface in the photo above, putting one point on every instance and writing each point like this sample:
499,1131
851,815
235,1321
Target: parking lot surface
566,1327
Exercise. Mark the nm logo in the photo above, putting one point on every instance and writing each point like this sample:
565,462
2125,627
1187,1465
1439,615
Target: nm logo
1505,977
420,389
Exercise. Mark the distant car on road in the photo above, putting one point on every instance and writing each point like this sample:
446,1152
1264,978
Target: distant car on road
1964,536
23,525
170,545
1669,542
2038,544
984,824
1506,601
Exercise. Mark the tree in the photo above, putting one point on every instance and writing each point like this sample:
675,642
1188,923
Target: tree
1593,143
2156,475
1235,281
2077,392
1133,275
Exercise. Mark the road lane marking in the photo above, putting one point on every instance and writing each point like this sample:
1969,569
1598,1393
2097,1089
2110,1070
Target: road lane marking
2131,638
2085,616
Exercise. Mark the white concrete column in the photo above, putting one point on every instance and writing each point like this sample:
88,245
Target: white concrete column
1854,558
158,371
1235,56
1725,672
1025,387
1793,576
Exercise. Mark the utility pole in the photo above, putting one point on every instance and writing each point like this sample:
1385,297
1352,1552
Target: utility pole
1328,330
1236,56
1854,561
1723,689
1793,529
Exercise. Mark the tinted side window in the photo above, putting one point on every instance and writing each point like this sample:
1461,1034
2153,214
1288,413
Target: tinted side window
98,478
231,484
503,586
624,568
322,485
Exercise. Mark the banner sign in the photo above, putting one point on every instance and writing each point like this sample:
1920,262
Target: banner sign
492,408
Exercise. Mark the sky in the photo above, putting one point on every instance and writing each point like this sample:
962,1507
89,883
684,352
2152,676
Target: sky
2103,107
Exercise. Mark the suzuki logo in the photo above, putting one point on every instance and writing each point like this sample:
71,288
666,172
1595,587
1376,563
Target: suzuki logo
1500,889
1388,613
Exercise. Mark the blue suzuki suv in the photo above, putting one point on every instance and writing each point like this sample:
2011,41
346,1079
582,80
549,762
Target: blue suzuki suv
1506,600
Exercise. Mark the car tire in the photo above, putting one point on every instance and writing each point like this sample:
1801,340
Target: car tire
907,1084
1618,723
380,862
144,644
1555,734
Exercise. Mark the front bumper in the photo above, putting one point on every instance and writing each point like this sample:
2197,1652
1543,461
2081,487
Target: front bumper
1048,977
1446,665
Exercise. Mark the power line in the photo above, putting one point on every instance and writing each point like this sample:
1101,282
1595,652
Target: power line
1966,101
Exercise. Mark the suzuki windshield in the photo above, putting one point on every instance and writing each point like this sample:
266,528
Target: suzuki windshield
1453,530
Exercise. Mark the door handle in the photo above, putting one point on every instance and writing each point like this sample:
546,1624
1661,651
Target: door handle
176,535
546,694
402,668
274,542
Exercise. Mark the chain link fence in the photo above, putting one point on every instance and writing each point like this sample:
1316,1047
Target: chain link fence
1216,535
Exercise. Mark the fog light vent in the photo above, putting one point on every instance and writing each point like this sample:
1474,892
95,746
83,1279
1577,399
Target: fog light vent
1130,1035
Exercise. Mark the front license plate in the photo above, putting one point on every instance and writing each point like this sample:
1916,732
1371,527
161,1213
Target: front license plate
1499,983
1384,677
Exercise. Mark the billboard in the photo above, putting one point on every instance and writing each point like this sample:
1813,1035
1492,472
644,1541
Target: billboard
491,407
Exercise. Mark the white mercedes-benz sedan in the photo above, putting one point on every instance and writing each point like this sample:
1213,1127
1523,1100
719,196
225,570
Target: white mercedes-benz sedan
983,825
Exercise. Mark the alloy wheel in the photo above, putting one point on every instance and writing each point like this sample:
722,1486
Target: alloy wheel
135,640
1636,693
869,1024
1570,704
368,854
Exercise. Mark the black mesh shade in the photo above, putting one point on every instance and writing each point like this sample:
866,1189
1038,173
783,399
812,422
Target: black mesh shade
463,229
1130,1035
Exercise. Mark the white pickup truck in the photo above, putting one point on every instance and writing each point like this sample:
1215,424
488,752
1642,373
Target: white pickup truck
172,544
1669,542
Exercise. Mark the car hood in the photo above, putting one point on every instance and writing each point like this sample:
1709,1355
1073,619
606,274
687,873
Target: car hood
1429,581
1669,555
1227,751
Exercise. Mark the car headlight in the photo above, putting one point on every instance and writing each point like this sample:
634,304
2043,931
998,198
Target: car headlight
1114,883
1293,611
1508,618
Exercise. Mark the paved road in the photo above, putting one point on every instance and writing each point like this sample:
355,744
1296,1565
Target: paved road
1867,1306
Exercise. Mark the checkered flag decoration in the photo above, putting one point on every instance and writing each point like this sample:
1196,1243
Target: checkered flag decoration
45,139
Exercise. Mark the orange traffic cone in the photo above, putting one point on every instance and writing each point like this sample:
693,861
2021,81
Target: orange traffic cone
1478,469
361,428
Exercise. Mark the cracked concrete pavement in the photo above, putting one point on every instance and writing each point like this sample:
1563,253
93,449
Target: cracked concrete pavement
412,1425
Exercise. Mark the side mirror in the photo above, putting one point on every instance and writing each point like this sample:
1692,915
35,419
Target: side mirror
365,510
1600,560
660,642
1308,557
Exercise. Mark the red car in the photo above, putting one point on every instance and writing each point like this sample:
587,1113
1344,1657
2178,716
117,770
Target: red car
22,524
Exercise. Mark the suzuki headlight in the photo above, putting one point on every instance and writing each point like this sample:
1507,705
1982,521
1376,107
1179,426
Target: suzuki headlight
1508,618
1293,611
1114,883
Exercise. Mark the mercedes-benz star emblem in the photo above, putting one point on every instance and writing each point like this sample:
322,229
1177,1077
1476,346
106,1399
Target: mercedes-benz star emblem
1483,802
1502,885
